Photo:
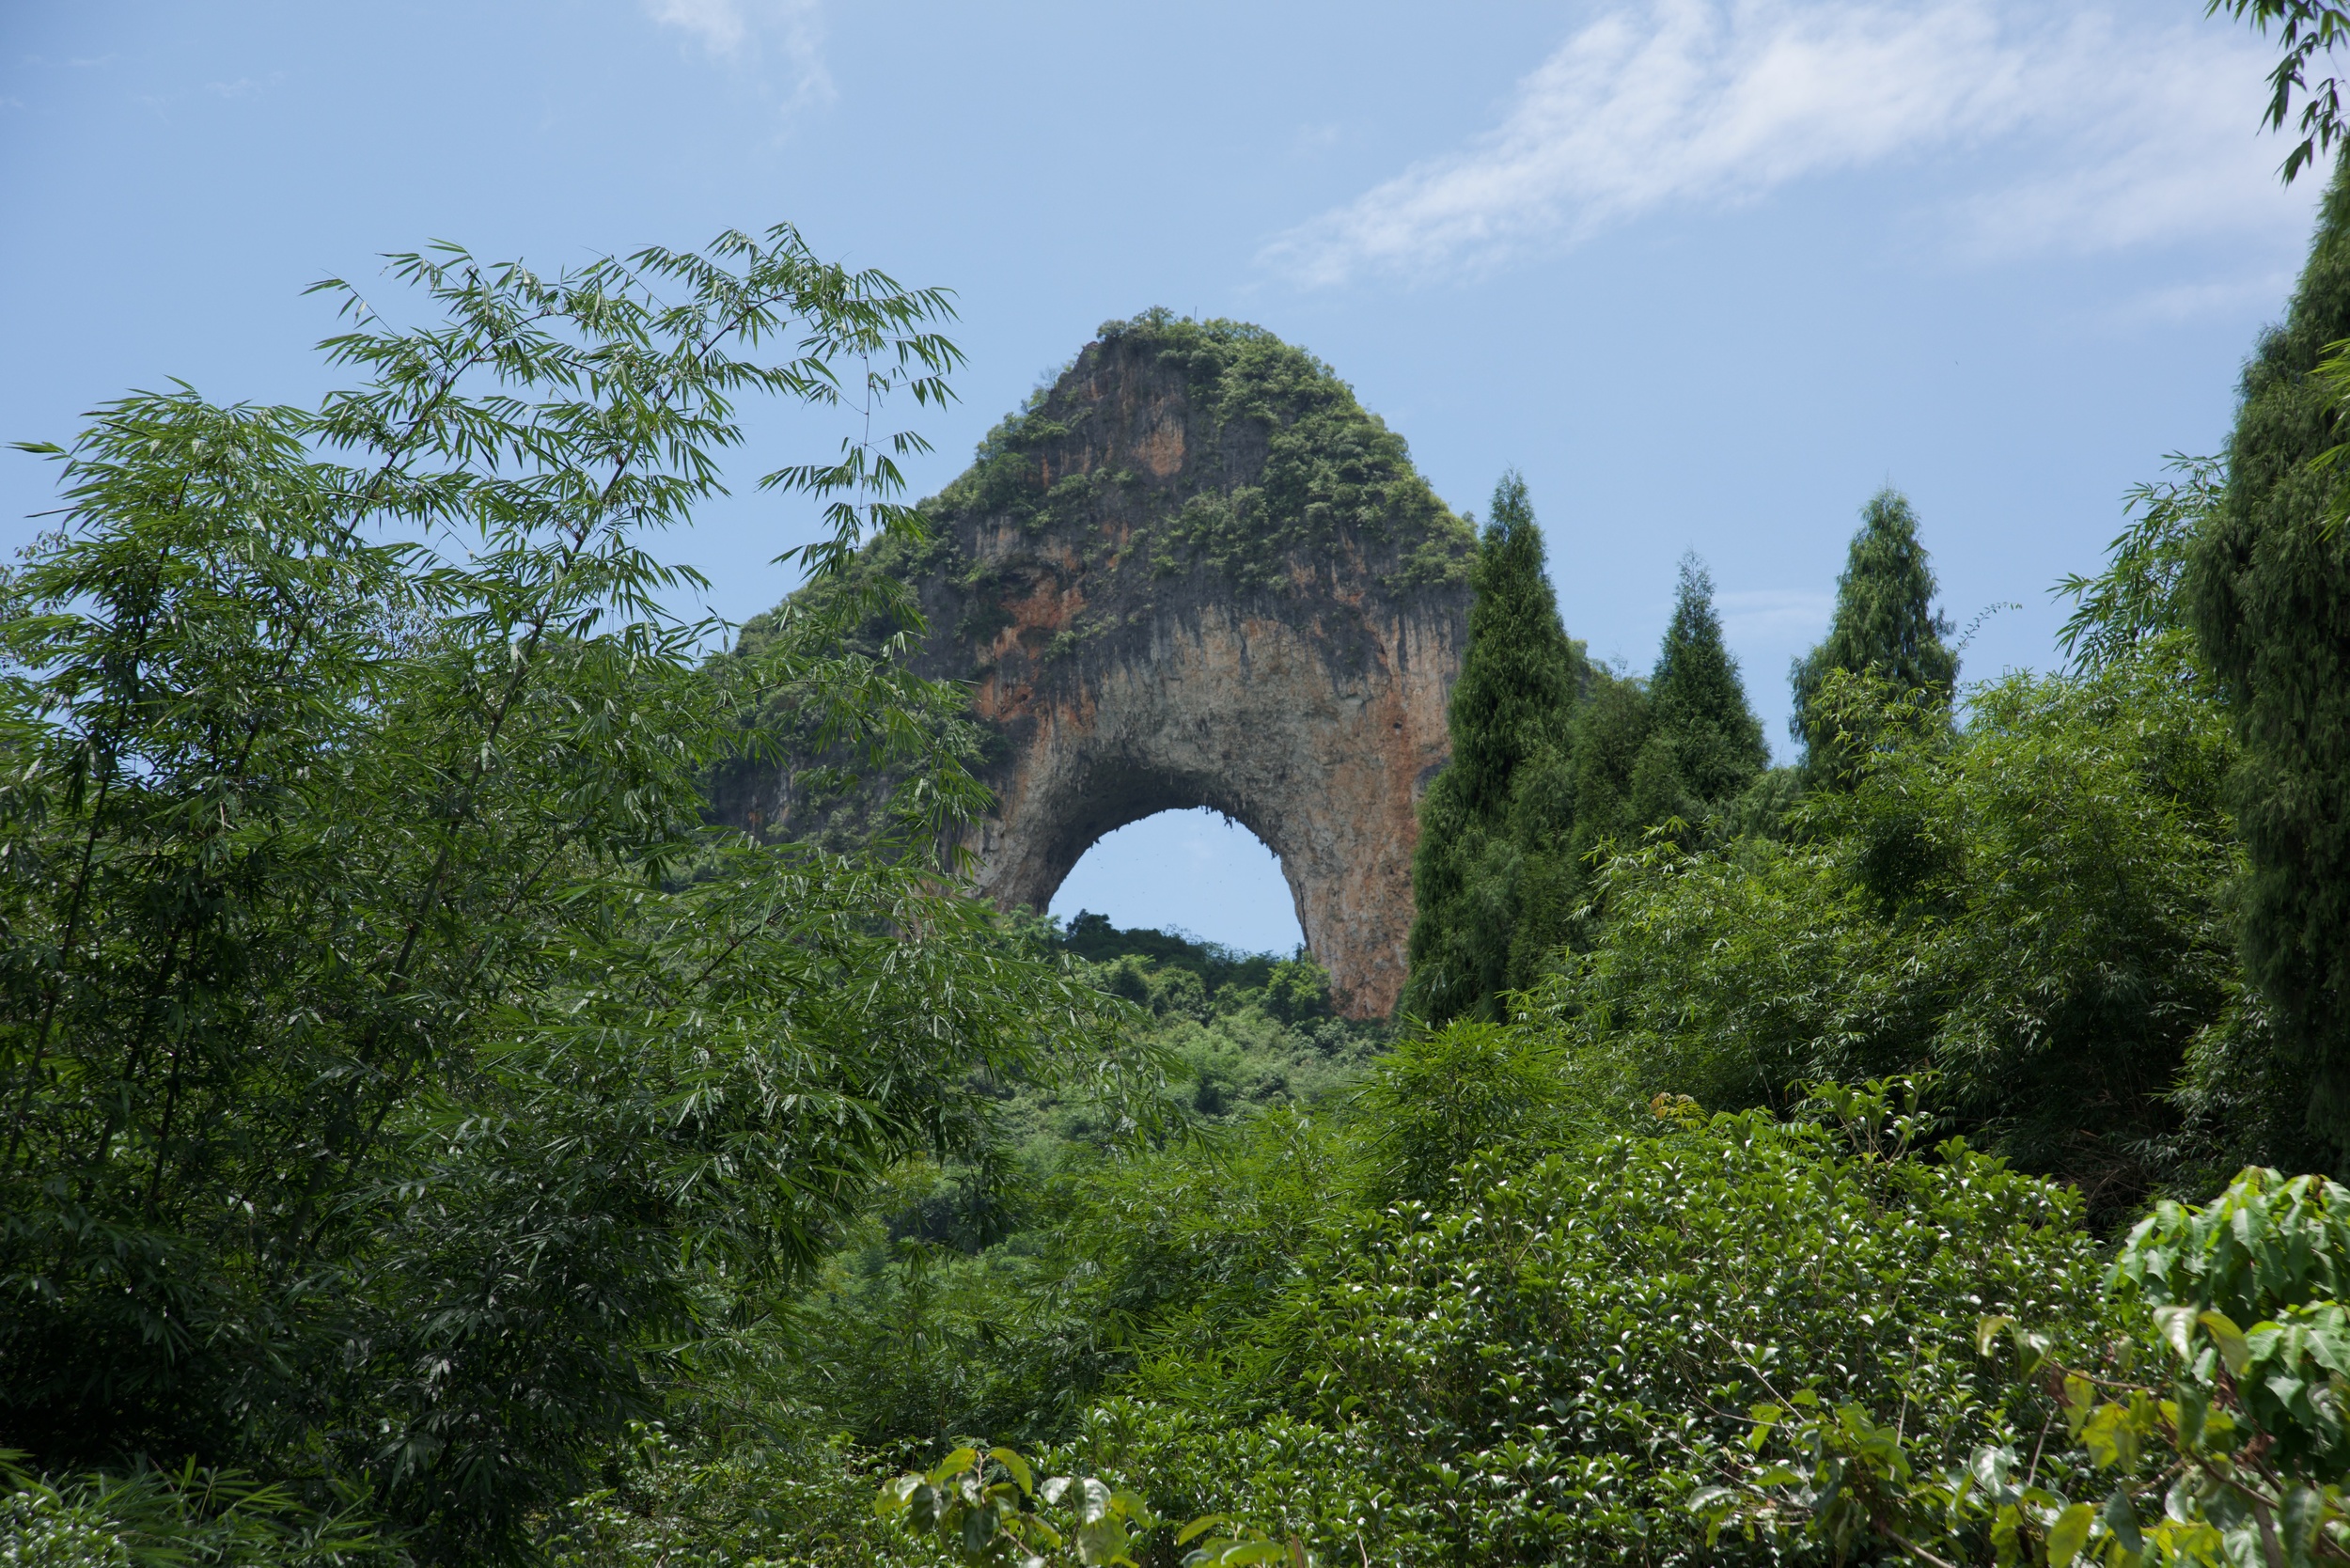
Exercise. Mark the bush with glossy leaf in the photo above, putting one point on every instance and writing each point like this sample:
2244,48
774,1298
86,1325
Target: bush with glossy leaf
2211,1434
1080,1520
1549,1363
774,1495
985,1506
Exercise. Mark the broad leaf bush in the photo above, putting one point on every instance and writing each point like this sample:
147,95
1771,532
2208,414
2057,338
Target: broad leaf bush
2209,1430
1552,1364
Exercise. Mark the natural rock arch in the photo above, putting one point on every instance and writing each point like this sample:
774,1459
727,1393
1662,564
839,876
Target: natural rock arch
1195,573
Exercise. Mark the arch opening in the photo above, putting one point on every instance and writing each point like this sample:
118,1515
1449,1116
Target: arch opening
1190,870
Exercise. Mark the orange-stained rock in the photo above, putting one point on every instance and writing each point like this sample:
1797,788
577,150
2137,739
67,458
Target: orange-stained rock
1197,574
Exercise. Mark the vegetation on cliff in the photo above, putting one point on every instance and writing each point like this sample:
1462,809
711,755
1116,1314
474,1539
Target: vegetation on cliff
1321,468
1318,470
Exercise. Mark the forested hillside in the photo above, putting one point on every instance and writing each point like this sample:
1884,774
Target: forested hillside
433,1139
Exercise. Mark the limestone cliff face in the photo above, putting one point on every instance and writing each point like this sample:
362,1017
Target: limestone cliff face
1195,573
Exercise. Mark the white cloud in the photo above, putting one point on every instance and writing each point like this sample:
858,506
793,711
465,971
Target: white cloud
1774,615
2253,290
741,29
719,23
2126,133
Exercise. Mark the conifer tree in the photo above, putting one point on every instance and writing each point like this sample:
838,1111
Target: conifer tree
1549,882
1610,732
1884,624
1502,799
1705,745
2268,589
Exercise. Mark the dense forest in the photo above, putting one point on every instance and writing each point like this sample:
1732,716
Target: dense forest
431,1140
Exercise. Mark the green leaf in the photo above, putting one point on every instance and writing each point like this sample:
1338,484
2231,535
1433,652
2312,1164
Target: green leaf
978,1530
2110,1437
1239,1554
1102,1540
1199,1527
1012,1461
2234,1352
2176,1325
2069,1534
2188,1415
2120,1517
897,1495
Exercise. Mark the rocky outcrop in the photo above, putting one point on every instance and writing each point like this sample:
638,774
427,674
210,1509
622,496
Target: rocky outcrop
1196,573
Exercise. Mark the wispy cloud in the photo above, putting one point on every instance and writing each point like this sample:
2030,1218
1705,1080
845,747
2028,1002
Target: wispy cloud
2128,133
742,30
1774,615
244,86
2253,289
719,23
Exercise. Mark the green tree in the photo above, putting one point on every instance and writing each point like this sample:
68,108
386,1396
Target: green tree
1884,624
1704,746
2268,586
1439,1098
2138,599
397,1073
2034,908
2307,29
1609,732
1501,798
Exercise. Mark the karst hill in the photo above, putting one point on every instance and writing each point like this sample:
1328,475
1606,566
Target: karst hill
1193,572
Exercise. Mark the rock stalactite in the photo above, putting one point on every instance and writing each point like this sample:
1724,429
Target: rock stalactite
1195,573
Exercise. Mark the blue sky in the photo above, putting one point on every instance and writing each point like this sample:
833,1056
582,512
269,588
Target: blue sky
1708,271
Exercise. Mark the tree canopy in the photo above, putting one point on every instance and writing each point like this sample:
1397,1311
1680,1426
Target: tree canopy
399,1077
2268,586
1884,624
1502,807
